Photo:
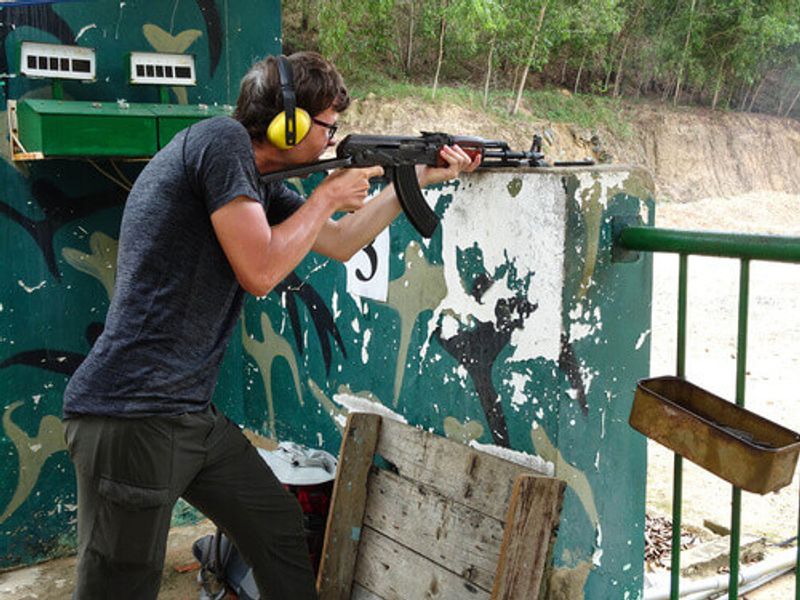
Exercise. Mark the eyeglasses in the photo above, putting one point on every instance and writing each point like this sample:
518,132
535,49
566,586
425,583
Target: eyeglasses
329,126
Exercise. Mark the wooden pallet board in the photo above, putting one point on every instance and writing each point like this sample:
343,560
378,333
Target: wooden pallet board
468,476
393,572
415,515
419,517
530,531
346,515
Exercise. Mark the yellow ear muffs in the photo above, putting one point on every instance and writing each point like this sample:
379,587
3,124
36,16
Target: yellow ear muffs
276,130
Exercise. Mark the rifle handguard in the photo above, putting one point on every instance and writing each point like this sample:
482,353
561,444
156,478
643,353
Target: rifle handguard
406,186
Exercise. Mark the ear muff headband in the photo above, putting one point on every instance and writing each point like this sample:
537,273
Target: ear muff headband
289,127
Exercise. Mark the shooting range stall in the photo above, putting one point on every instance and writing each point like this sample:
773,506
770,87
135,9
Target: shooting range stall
513,327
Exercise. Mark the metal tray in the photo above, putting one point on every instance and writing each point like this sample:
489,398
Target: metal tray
735,444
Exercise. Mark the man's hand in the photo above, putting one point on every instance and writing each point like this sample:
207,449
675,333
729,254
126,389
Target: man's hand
457,161
346,189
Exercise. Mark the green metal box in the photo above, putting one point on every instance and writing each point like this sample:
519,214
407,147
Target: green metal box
71,128
173,118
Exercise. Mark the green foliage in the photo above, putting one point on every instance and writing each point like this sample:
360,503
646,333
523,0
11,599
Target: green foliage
357,34
585,110
742,52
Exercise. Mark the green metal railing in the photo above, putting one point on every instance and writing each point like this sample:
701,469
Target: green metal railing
729,245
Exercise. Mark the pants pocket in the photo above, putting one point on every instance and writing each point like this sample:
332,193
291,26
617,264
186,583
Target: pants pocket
132,497
132,522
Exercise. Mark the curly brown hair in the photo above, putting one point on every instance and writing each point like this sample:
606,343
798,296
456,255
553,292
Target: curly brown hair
317,84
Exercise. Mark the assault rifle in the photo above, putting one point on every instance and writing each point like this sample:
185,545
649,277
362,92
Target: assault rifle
399,154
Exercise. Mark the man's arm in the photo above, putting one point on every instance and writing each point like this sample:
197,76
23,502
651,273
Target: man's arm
260,255
343,238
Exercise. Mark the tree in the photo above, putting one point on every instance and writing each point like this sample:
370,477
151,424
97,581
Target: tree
531,54
358,34
685,52
440,57
492,20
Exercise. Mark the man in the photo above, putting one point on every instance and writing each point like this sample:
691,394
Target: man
199,229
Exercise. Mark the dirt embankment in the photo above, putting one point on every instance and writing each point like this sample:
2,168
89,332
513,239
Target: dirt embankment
700,154
693,153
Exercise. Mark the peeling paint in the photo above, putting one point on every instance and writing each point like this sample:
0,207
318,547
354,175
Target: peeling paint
595,190
84,29
31,289
350,402
598,552
584,323
602,424
601,185
642,338
536,463
364,402
335,310
518,396
474,221
364,352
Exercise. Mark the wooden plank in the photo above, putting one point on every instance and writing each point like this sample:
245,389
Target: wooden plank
362,593
343,530
530,532
393,572
458,538
476,479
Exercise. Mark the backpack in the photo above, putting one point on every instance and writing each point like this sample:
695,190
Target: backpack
222,568
306,473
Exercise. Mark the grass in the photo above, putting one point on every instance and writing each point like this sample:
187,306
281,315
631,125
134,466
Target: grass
584,110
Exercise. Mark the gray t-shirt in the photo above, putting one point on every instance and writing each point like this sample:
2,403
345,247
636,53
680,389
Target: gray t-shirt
176,299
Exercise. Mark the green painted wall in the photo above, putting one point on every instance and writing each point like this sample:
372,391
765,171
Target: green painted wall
511,327
59,221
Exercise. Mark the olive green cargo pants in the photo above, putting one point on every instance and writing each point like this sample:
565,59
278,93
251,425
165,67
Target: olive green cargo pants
131,472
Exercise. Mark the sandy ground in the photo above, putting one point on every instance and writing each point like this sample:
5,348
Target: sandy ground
773,355
773,386
54,580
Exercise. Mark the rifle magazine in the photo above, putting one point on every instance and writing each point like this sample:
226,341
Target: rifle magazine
406,186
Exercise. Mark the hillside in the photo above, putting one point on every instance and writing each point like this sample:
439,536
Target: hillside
693,153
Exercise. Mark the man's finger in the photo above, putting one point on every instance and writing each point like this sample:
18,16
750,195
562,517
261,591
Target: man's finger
376,171
458,150
455,156
476,162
